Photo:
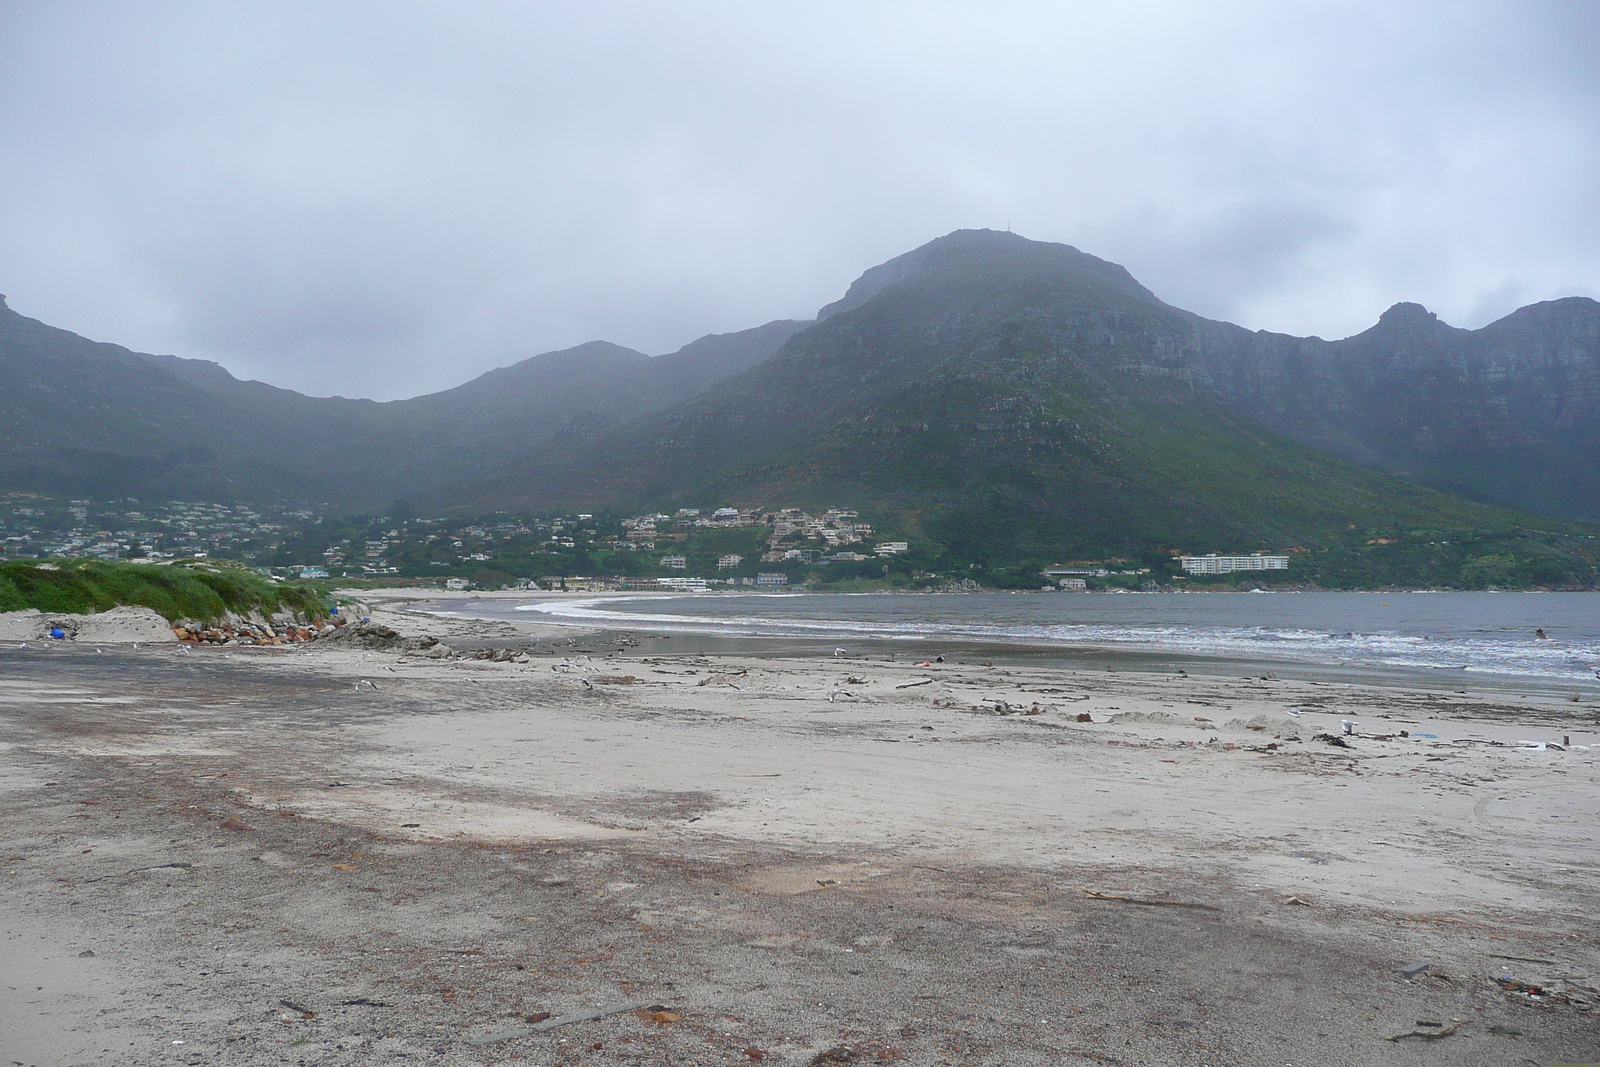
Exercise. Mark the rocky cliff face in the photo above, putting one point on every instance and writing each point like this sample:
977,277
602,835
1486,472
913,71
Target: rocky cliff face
1509,413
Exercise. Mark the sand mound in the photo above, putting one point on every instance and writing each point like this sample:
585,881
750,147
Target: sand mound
1163,717
1270,724
120,625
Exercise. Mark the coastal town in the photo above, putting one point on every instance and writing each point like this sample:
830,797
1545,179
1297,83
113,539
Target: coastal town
688,549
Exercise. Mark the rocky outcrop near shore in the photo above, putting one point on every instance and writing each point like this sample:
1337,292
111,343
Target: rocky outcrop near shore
375,637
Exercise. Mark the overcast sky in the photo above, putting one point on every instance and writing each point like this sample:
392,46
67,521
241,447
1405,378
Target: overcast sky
389,198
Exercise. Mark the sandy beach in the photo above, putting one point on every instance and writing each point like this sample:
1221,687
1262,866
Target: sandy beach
338,854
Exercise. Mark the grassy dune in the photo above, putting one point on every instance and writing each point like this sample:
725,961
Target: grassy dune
200,592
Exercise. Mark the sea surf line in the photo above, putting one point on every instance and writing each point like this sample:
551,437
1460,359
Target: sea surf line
1479,633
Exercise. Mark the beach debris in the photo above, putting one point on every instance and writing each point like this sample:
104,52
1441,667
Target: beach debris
1084,716
837,1054
1333,739
1093,894
665,1016
161,867
86,954
913,685
1537,993
1411,970
1503,1031
363,1002
551,1024
301,1010
1427,1035
754,1054
1301,901
235,824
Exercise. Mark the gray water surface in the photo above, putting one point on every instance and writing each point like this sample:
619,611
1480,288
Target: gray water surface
1482,634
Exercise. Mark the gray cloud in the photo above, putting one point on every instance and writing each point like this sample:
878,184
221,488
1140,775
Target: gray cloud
381,199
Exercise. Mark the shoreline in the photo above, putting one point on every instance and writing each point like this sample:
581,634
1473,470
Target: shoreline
786,853
708,639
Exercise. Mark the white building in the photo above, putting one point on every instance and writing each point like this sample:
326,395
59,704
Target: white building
729,562
674,563
682,585
456,583
313,572
1215,564
892,548
1074,585
770,578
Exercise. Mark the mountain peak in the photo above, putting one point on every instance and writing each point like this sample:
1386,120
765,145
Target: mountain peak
1407,313
988,250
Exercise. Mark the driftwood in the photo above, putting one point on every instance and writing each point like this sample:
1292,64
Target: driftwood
1095,895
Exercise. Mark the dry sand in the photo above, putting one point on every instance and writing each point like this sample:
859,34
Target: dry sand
121,625
786,855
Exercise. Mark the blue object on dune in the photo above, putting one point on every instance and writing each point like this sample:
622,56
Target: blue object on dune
58,633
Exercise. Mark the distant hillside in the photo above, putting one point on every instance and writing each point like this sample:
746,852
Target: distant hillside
80,417
1008,399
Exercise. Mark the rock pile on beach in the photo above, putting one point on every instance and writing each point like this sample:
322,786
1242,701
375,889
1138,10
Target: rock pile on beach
247,632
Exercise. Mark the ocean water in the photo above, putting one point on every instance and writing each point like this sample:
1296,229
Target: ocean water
1483,634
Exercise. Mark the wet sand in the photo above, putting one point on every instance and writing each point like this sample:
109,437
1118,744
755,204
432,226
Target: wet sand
779,856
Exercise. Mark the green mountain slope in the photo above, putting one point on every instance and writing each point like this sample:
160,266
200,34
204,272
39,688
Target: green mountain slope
1007,400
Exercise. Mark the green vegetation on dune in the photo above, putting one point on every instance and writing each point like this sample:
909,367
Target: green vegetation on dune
200,593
